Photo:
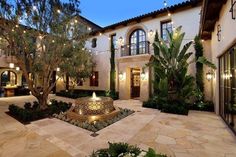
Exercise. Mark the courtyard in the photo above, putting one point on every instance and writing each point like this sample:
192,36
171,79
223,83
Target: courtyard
196,135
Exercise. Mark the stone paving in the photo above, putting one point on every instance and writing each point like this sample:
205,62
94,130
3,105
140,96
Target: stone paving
201,134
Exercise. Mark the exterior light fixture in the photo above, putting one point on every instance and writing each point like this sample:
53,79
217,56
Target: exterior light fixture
53,41
17,68
89,28
143,76
169,14
121,76
58,11
121,40
209,75
76,21
100,34
17,26
233,9
58,69
11,65
24,31
151,32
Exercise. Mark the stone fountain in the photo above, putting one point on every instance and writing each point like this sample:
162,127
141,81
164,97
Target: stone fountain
92,109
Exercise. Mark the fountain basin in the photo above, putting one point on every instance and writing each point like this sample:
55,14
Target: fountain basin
92,109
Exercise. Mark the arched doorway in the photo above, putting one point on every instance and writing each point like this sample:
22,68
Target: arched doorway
8,78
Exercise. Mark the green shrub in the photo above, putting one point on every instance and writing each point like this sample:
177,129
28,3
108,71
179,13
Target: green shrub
202,106
152,103
122,150
151,153
32,112
175,107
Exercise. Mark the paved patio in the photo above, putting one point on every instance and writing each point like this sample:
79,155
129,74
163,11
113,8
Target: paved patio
201,134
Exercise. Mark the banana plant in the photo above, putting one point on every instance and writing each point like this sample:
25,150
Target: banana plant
171,62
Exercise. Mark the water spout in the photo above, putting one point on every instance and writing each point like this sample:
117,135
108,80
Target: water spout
94,97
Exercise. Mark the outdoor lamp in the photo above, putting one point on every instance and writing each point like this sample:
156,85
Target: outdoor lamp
151,32
121,40
58,69
143,75
17,68
209,75
121,76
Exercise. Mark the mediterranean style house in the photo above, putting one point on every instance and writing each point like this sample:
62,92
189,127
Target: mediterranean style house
133,39
213,20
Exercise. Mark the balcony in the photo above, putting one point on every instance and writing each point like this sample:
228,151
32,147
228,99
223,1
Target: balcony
135,49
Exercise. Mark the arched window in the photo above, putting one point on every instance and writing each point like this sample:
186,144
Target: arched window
8,78
137,42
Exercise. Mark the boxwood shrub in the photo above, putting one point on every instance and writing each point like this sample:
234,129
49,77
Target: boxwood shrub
31,112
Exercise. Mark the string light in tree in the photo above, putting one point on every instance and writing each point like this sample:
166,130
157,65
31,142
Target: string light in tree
165,3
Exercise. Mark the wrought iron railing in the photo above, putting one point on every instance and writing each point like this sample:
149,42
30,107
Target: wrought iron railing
135,49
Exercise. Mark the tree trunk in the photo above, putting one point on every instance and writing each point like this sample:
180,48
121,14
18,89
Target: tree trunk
42,99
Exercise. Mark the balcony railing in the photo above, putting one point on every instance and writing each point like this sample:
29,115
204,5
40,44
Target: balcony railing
135,49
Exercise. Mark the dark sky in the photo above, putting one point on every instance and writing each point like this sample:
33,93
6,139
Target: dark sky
106,12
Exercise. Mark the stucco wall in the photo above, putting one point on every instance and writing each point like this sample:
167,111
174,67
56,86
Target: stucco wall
228,38
189,20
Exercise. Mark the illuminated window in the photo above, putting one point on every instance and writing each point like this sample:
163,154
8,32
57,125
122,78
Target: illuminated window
8,78
165,27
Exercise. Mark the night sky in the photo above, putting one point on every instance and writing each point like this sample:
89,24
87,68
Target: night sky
107,12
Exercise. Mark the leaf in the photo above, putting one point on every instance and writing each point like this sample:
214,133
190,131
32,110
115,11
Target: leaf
206,62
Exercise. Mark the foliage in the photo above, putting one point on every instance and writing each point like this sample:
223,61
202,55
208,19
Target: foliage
124,150
152,103
151,153
175,107
113,94
112,71
172,83
78,93
199,66
44,36
202,106
99,124
32,112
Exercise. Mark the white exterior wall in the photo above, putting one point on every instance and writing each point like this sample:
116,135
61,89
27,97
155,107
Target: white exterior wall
189,20
228,33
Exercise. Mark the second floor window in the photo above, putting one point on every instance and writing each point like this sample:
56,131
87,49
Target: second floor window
113,40
94,42
165,27
94,79
137,42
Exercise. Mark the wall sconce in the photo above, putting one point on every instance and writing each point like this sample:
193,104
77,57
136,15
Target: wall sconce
121,40
233,9
143,76
209,75
121,76
151,32
17,68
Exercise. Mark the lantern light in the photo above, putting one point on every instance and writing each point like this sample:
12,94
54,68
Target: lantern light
58,69
209,75
17,68
121,76
151,32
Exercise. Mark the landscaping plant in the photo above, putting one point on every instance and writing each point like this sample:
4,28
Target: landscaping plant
173,85
44,37
124,150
